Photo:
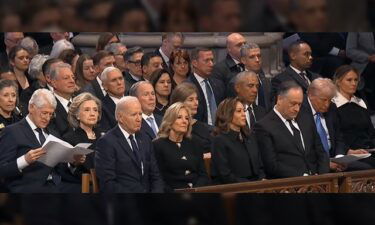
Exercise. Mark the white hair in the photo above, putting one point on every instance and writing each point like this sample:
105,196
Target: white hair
35,67
60,46
114,48
56,69
123,101
41,97
30,44
106,71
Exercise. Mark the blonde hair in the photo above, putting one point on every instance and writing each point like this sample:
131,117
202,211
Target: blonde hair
170,117
77,102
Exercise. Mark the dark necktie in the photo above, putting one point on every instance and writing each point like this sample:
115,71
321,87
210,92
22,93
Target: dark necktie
296,134
252,116
240,67
69,103
321,131
261,99
41,137
211,100
135,149
304,78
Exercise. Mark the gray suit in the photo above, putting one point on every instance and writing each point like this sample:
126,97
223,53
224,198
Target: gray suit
359,46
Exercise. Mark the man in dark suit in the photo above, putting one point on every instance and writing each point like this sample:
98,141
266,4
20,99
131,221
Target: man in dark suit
291,145
145,93
225,70
300,56
63,83
101,60
169,42
124,158
133,57
324,114
150,62
252,59
114,85
21,147
246,85
210,91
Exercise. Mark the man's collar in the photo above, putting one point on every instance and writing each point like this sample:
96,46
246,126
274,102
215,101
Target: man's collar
295,69
30,122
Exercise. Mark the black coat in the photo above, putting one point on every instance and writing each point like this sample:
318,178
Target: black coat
235,161
282,156
174,162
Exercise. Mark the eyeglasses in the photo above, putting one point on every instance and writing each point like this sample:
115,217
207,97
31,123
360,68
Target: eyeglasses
137,63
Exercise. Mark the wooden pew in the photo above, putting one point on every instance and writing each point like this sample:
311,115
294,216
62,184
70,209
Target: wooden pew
358,182
326,183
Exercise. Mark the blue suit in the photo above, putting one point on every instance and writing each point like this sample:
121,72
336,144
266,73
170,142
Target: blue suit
117,168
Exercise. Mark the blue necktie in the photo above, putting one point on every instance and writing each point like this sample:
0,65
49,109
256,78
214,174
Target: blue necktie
211,100
152,124
322,133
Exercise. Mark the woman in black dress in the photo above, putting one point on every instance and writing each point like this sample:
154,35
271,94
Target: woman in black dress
354,117
179,159
187,93
180,65
161,81
9,114
235,153
84,114
19,60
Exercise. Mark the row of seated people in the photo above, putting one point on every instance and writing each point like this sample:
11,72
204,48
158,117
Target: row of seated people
155,97
286,142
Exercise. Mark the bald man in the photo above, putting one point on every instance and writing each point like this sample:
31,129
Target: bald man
225,70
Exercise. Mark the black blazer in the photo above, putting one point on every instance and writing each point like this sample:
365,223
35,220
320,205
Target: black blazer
129,81
174,162
94,88
147,130
117,168
225,70
219,93
234,161
201,133
281,155
15,141
60,122
290,75
108,120
338,146
164,64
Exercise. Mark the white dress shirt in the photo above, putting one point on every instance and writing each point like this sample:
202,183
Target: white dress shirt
126,135
340,100
64,102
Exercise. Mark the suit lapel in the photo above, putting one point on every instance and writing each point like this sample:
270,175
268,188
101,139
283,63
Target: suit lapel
125,145
97,89
303,129
285,130
148,129
29,133
297,78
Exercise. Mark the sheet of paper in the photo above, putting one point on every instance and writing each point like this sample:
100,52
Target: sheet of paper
350,158
58,151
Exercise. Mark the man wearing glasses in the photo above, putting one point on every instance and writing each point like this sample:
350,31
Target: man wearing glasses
133,64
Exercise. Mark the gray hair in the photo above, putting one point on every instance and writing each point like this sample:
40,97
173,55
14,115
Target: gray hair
134,88
41,97
131,51
322,85
30,44
60,46
114,48
56,69
244,51
123,101
35,67
239,78
77,102
106,71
